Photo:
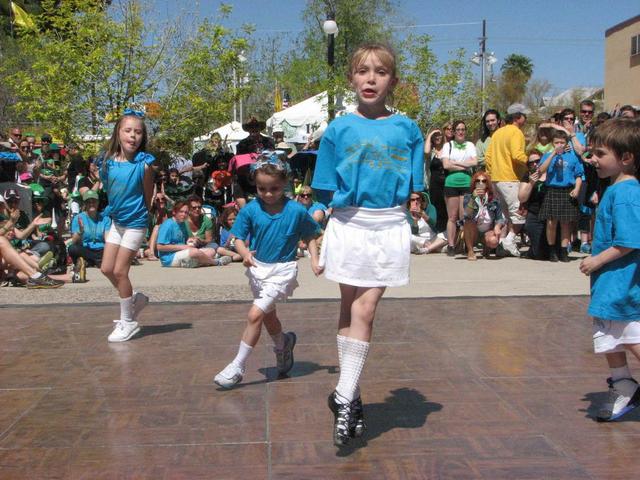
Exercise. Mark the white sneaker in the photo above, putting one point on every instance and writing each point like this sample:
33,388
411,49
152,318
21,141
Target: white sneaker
140,300
123,331
225,260
228,377
624,396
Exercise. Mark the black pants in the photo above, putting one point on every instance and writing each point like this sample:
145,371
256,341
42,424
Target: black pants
536,229
93,257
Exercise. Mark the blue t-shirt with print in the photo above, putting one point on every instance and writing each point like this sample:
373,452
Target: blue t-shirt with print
124,184
275,237
615,288
171,233
92,230
370,163
563,169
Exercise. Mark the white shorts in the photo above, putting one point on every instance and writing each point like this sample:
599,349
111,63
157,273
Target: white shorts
183,260
366,247
611,336
272,282
129,238
509,203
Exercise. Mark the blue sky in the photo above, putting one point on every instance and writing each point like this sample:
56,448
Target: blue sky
564,38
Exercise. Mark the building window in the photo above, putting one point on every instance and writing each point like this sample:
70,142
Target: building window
635,45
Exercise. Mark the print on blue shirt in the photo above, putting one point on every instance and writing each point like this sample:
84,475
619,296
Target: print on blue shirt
370,163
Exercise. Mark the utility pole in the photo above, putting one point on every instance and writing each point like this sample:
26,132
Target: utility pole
483,63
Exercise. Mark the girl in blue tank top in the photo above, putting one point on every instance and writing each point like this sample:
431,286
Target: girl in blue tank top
126,173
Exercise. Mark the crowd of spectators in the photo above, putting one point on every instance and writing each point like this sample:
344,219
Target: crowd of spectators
503,195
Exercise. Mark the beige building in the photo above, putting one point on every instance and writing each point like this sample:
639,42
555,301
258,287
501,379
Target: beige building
622,64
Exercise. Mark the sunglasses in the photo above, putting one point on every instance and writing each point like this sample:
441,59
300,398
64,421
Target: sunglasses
415,199
305,195
569,119
586,111
481,180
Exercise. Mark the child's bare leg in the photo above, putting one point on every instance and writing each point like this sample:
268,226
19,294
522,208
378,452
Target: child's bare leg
565,233
347,296
635,349
363,310
229,253
252,331
617,359
551,231
272,323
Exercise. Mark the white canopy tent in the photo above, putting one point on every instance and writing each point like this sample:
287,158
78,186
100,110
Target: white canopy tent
231,134
302,119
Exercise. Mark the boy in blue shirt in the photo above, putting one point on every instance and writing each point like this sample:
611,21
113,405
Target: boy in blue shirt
614,265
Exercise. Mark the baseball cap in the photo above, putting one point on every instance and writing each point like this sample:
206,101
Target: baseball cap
90,195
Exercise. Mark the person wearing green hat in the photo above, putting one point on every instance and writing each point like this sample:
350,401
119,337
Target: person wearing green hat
87,234
41,236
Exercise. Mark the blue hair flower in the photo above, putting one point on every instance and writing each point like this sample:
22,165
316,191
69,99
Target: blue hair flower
135,113
271,157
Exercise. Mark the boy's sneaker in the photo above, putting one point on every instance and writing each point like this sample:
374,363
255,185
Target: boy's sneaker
140,300
342,413
225,260
284,357
357,427
123,331
80,270
624,396
585,248
228,377
43,282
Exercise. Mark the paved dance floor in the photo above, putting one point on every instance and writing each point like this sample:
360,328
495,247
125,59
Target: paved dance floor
496,388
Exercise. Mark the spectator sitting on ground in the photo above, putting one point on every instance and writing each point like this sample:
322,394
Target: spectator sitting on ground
531,195
177,249
482,214
227,240
424,238
43,235
315,209
23,270
87,234
21,227
199,225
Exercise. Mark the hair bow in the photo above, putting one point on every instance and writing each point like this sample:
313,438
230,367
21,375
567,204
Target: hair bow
136,113
270,157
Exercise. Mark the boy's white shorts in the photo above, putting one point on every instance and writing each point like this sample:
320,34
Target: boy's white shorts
611,336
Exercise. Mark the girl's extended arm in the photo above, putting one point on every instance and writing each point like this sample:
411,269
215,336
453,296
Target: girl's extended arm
245,253
594,263
312,246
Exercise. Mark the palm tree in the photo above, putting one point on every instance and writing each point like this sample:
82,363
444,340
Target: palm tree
516,65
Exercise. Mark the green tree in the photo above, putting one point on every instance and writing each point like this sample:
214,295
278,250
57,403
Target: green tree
511,86
201,91
89,62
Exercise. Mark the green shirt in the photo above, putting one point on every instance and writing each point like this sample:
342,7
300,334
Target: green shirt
205,224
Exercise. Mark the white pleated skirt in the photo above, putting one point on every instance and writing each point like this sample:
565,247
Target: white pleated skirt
367,247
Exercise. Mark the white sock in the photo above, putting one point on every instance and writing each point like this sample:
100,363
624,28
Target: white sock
354,354
278,340
36,275
620,372
341,341
126,309
244,351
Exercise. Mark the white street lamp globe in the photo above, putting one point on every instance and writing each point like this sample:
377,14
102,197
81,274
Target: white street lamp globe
330,27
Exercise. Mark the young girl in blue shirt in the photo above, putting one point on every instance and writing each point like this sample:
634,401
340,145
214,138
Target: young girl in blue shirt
371,161
275,225
614,263
560,204
127,177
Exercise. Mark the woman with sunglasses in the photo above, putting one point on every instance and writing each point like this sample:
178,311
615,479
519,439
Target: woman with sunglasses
482,214
315,209
459,158
531,195
424,238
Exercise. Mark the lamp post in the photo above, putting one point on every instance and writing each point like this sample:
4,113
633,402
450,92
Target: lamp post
236,81
330,27
483,59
